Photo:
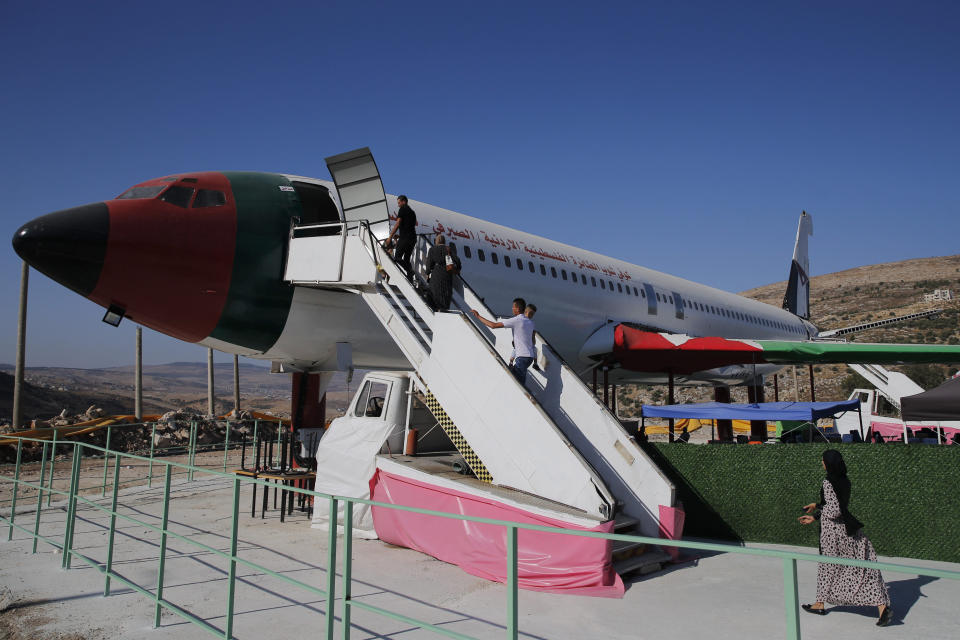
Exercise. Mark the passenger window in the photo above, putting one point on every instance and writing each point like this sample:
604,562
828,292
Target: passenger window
480,255
593,281
532,268
506,261
178,195
583,278
563,274
553,271
603,285
453,247
520,264
635,292
619,288
493,257
643,294
543,270
209,198
466,250
658,297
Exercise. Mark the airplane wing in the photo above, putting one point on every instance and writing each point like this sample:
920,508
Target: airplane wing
646,351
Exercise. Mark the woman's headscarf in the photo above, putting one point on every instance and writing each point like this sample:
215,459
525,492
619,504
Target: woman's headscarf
837,476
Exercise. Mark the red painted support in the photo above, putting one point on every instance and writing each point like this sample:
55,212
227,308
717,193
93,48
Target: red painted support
307,407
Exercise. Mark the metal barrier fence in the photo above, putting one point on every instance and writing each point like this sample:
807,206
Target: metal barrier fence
789,559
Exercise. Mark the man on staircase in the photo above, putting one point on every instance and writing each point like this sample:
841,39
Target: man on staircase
406,225
522,326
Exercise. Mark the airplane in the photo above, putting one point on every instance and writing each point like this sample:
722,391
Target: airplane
200,257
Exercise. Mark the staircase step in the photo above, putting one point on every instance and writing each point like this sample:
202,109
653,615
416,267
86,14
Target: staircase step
623,522
623,550
651,560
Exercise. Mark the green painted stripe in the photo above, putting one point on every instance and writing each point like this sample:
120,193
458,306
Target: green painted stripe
259,300
782,352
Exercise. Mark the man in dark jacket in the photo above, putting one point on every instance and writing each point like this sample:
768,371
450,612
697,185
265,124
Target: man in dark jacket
406,225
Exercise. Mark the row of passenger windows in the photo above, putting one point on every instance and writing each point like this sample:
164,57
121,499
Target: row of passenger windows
608,285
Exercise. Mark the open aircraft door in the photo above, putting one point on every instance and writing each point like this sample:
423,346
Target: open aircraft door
360,190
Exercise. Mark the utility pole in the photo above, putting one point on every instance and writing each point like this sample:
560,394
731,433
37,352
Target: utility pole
138,378
21,345
210,408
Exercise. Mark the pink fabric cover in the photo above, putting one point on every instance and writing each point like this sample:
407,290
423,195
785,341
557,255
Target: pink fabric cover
549,562
671,527
894,430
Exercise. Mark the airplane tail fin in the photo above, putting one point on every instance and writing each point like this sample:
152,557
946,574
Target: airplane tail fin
797,298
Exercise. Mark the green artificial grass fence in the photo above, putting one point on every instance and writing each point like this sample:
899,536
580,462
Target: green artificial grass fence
908,497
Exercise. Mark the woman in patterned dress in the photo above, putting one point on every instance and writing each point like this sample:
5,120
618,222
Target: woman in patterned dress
841,536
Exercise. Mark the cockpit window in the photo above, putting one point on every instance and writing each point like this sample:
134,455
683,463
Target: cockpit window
209,198
137,193
178,195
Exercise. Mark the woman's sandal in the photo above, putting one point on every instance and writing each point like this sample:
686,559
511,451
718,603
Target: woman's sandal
820,611
885,617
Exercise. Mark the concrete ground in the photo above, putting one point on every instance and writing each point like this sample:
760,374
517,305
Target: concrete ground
717,596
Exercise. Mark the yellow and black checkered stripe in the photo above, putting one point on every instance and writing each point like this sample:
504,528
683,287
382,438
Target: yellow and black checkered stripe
472,459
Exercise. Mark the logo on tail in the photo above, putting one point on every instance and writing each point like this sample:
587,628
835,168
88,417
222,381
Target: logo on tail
797,298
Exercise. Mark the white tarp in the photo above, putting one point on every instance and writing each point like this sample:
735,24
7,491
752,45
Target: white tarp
346,461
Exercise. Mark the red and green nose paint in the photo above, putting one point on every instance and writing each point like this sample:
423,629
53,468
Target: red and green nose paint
194,256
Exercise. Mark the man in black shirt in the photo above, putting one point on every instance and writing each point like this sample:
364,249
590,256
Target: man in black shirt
407,237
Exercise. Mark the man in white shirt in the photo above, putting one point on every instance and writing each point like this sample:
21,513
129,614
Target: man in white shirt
522,326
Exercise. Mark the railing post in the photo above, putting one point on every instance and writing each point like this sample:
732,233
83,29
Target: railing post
113,524
106,460
191,455
163,546
53,460
279,433
228,632
331,567
347,568
71,507
226,447
153,439
16,487
791,598
512,582
36,522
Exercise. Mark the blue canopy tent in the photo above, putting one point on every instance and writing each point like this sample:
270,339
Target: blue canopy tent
792,411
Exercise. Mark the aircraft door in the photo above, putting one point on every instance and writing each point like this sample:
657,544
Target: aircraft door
361,192
316,206
678,304
651,299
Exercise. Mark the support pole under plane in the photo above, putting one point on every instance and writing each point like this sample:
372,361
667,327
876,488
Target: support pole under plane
236,387
21,346
138,377
210,399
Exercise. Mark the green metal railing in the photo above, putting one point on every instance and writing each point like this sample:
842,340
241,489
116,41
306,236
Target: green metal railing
348,603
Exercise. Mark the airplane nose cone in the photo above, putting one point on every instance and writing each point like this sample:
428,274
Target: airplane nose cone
68,246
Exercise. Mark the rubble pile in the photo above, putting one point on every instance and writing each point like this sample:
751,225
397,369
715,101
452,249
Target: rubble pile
172,433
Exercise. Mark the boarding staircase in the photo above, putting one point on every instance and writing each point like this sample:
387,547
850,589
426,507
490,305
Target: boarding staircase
892,385
551,438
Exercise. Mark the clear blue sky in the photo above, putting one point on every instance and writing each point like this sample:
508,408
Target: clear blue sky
683,136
